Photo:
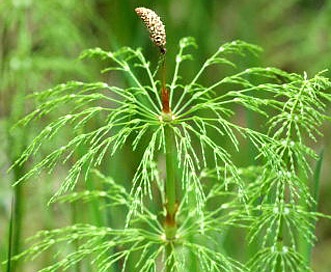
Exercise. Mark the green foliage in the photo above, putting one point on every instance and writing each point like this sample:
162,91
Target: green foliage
269,200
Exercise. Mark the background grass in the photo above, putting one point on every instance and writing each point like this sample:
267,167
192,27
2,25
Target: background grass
40,41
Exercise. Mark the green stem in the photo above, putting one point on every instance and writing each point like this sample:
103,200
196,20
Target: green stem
170,185
170,224
15,225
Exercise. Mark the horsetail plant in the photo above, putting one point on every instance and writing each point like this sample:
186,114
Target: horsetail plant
205,194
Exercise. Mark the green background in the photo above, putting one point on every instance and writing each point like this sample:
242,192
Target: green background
41,40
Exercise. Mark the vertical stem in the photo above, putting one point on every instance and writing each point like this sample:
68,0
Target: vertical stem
10,237
16,222
170,224
18,218
16,143
170,185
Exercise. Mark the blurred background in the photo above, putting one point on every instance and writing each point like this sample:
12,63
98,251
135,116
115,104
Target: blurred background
41,40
